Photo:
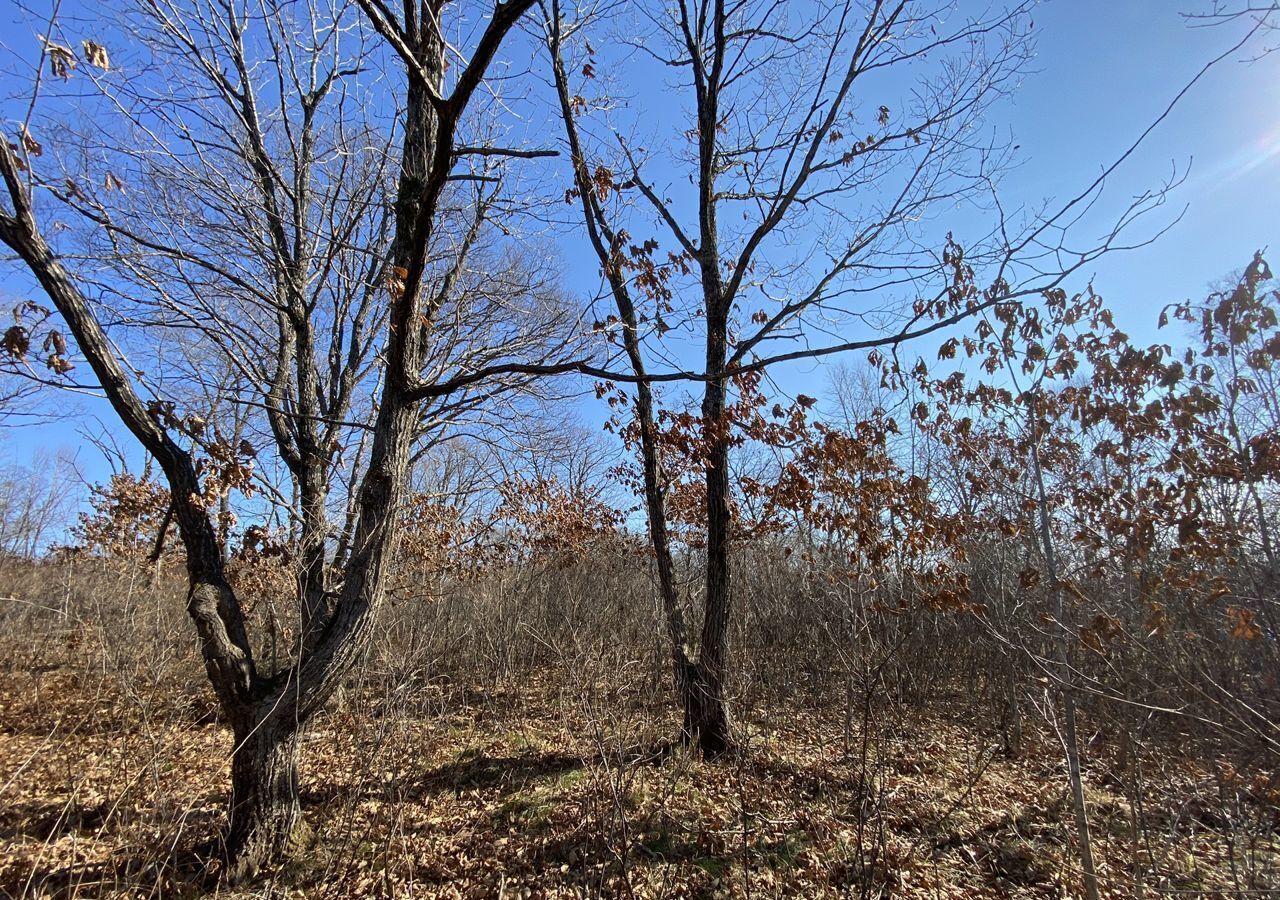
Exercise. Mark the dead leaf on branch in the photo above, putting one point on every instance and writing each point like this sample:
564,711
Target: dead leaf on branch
96,55
17,341
17,157
395,281
61,59
30,144
55,346
1243,625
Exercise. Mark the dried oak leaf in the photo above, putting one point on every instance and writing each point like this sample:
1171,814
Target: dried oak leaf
96,55
30,144
17,157
61,59
17,341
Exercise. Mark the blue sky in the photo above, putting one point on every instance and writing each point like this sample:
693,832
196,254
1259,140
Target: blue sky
1103,71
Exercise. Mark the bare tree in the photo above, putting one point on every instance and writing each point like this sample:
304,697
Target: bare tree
268,244
36,501
797,207
261,223
810,202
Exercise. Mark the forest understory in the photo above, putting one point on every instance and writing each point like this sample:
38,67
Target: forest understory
544,766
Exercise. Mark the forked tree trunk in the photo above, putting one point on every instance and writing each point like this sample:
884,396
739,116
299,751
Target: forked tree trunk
265,824
265,819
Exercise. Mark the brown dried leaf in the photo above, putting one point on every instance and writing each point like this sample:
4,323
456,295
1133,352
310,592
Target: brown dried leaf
30,144
96,55
16,342
55,343
61,59
17,157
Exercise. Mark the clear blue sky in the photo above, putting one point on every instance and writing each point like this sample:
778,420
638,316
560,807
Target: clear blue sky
1103,71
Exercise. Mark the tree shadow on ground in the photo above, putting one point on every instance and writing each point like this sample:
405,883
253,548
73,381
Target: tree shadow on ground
474,770
808,782
132,871
49,821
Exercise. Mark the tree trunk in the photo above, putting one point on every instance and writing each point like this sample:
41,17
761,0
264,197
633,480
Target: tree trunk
265,824
312,584
1070,737
603,240
706,715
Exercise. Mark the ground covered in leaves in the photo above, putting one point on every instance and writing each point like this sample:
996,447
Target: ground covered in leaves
547,786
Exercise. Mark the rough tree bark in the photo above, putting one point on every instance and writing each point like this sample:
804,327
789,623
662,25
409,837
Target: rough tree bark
265,821
706,708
